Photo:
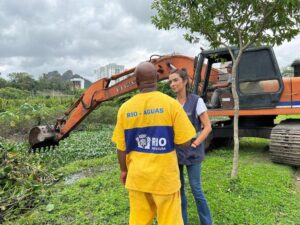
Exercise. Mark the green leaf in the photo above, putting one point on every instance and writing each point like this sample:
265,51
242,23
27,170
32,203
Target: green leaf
50,207
12,124
7,169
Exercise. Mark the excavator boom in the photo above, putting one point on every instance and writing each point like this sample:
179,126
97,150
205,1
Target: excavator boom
45,136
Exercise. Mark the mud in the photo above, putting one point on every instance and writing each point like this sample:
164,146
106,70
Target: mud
91,172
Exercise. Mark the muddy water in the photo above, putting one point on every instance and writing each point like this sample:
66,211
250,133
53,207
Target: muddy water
91,172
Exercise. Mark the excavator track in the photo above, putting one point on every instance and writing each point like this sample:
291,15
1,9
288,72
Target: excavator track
285,143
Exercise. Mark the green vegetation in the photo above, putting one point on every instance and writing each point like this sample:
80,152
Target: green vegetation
21,181
230,23
88,190
24,81
13,93
19,111
286,117
106,114
97,199
26,177
264,193
18,116
78,182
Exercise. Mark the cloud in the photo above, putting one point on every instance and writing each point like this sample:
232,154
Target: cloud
287,52
38,36
140,10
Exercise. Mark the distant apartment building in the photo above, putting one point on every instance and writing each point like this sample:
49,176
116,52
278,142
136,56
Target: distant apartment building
109,70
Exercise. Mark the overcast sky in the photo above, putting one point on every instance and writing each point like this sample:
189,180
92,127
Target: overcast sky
39,36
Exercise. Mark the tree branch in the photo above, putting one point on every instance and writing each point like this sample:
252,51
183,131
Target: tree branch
263,22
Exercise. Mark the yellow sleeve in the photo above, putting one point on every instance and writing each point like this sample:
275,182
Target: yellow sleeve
119,133
183,128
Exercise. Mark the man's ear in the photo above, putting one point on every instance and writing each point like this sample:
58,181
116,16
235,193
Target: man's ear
137,80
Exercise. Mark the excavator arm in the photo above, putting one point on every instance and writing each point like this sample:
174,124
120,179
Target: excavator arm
49,135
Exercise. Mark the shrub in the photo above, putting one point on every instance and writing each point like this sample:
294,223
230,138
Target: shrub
164,87
105,114
20,181
13,93
19,120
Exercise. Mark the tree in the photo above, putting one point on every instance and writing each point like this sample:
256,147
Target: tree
287,71
231,23
53,81
164,87
22,81
3,83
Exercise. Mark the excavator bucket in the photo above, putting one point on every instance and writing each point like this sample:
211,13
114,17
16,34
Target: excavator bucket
42,138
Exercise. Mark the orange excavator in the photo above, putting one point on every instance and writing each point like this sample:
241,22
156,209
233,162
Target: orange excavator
101,91
263,95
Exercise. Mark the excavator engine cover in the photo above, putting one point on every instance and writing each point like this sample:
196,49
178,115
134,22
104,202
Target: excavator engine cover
42,137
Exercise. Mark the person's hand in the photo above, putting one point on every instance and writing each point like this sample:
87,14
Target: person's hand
200,87
194,144
123,177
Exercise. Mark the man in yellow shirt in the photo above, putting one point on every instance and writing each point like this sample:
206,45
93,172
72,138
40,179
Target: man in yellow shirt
149,125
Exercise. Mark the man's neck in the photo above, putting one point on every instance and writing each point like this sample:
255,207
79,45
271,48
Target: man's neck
148,89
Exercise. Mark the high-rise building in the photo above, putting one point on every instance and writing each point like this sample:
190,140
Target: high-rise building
109,70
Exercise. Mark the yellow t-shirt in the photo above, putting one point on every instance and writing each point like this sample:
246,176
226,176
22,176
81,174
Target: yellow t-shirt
148,126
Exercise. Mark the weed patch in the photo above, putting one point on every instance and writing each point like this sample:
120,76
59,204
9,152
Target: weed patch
264,193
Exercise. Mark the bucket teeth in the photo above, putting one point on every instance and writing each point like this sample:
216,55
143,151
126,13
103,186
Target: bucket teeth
42,147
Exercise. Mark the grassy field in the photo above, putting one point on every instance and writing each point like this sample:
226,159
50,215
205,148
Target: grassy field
89,191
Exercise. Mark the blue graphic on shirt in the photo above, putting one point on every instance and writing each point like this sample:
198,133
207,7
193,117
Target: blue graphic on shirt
156,139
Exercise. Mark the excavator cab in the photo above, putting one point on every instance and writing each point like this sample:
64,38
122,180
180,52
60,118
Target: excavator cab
258,79
263,95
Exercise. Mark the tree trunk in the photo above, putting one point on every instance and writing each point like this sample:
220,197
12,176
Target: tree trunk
235,162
